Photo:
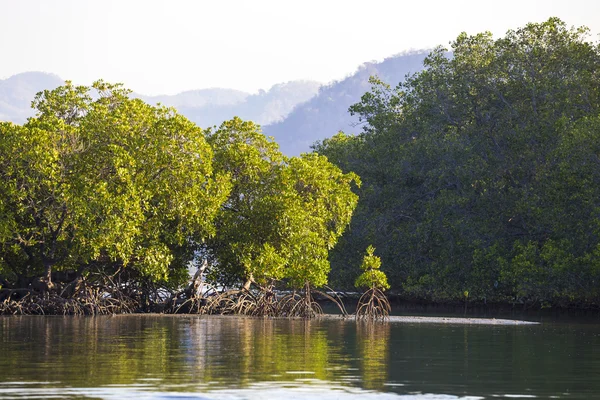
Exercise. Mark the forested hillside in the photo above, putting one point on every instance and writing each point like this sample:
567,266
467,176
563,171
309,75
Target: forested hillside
481,176
327,113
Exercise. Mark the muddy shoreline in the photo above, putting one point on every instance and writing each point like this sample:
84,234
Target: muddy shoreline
392,319
445,320
459,320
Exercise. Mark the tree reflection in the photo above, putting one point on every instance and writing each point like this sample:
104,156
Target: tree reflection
202,352
372,339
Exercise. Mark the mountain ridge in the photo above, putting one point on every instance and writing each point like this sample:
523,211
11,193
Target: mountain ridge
206,107
327,113
295,113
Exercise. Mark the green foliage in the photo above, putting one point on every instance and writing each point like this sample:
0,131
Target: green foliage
480,172
283,215
99,178
247,241
372,277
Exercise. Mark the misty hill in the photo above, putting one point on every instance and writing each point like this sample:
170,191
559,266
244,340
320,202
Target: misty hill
296,113
17,92
327,113
198,98
206,107
264,108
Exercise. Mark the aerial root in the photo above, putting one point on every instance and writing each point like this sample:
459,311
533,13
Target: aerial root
299,305
373,305
263,302
88,303
100,294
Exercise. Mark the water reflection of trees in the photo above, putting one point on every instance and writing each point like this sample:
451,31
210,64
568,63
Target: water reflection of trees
209,352
372,340
194,351
261,349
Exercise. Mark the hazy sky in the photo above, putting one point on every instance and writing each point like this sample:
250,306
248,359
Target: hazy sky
169,46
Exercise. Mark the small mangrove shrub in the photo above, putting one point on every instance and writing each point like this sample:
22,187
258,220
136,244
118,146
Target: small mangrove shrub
373,304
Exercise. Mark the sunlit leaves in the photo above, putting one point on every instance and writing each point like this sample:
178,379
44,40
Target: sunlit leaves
97,177
480,171
371,277
282,216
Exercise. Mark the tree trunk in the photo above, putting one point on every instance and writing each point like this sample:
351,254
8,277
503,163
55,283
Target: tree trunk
47,277
48,271
248,283
195,286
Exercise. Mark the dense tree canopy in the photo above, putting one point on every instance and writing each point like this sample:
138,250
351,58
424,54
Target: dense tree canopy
479,173
98,181
97,177
479,180
283,214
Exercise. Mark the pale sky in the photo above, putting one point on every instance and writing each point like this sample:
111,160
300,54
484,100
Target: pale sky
164,47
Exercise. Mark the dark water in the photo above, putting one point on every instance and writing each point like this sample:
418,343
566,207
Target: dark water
175,357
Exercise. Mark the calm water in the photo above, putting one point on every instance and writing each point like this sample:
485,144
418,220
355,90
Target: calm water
175,357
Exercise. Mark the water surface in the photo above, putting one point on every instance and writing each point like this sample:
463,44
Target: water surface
181,357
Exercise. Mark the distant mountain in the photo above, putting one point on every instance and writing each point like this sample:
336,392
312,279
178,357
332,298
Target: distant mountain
327,113
263,108
206,107
198,98
17,92
296,113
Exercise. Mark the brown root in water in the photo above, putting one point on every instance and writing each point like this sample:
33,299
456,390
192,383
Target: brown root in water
94,295
239,302
299,305
266,304
334,298
258,301
89,302
99,293
373,305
